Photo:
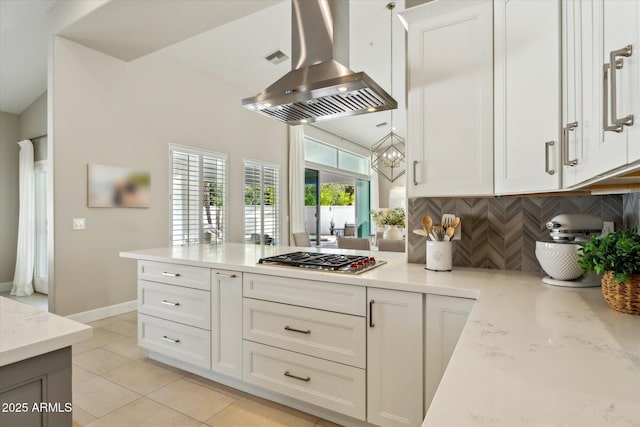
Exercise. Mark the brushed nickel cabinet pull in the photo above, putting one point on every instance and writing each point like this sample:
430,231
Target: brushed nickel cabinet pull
166,338
287,328
605,100
371,302
287,374
228,276
565,143
625,52
546,157
166,273
175,304
415,163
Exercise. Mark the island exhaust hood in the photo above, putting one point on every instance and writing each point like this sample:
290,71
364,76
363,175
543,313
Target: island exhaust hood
320,86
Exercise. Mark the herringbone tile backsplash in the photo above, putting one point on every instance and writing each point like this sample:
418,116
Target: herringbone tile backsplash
501,232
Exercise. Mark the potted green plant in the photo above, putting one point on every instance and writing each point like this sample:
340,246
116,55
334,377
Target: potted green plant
392,220
332,226
617,257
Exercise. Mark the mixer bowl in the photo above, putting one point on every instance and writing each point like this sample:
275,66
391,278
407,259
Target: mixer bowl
559,260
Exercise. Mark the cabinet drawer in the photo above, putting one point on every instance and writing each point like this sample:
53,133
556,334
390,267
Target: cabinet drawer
175,274
175,303
330,385
338,337
186,343
307,293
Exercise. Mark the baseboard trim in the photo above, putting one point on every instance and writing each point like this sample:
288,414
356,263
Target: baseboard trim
104,312
6,286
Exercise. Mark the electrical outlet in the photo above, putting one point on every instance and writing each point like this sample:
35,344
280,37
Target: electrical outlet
79,223
607,227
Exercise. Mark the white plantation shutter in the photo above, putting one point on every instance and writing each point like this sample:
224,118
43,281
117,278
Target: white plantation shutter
262,202
198,196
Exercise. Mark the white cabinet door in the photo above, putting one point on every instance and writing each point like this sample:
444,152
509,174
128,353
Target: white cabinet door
450,98
394,358
591,31
226,322
445,319
527,95
619,31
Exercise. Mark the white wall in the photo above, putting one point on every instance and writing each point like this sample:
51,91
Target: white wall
33,123
126,114
341,215
9,154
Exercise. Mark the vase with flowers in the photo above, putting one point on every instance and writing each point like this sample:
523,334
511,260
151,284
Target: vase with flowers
393,220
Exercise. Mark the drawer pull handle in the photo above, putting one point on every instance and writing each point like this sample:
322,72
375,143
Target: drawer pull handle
228,276
287,328
166,338
175,304
371,302
166,273
287,374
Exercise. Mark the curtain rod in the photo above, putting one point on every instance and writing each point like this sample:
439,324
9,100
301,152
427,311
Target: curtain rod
38,137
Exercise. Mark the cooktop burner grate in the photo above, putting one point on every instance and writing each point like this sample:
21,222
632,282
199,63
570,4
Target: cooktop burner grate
329,262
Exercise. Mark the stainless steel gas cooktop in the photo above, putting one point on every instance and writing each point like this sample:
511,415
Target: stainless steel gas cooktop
338,263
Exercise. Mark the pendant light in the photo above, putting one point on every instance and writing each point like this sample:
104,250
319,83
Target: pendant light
388,154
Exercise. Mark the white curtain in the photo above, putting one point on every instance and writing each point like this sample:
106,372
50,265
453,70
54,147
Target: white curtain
25,258
296,179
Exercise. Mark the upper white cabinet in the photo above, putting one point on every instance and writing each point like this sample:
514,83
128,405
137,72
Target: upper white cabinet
620,22
527,96
600,105
450,98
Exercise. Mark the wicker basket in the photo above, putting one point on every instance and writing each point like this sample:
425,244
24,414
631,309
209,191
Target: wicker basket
624,297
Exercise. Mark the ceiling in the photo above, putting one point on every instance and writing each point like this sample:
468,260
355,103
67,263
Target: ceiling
227,39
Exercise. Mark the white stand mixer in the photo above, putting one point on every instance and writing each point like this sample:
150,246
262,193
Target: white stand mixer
559,258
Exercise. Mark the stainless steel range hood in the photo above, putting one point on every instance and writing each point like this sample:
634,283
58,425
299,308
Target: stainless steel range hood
321,86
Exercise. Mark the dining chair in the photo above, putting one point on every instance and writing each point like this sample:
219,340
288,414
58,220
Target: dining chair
353,243
391,245
301,239
350,230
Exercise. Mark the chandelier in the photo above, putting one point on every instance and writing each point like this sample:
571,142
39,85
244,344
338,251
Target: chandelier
388,154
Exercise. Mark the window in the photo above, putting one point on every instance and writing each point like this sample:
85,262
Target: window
198,196
327,155
261,202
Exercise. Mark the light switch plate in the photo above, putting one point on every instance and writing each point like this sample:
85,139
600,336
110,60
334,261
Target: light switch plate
79,223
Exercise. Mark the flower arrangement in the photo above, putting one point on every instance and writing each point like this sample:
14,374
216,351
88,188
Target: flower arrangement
395,216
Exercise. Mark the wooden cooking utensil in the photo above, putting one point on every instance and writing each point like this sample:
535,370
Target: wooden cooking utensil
449,233
455,223
447,219
427,222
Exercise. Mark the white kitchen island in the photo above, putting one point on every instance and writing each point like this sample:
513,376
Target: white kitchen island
529,354
35,365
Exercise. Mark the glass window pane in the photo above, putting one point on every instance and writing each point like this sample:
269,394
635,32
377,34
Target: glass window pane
320,153
353,163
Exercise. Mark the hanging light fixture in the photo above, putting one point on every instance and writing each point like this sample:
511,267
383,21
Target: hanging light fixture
388,154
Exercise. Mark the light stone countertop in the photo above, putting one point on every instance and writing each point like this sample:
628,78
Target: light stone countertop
26,331
530,354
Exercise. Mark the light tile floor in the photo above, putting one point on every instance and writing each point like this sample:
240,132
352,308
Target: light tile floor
37,300
115,385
